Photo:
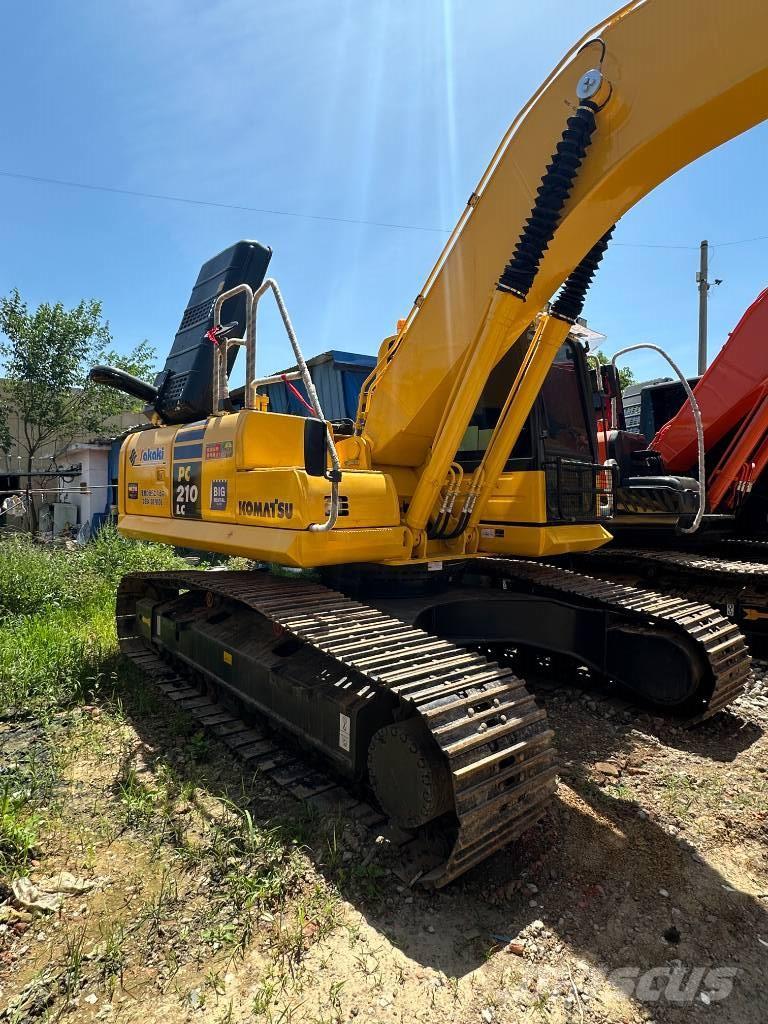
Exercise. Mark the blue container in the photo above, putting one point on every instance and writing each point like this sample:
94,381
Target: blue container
338,378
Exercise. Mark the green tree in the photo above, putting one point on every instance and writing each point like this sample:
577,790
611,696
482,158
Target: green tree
45,356
626,374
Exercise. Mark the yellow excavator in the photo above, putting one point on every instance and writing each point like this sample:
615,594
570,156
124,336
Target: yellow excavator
471,457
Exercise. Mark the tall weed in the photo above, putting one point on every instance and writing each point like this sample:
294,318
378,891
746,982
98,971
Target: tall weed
57,633
34,578
110,556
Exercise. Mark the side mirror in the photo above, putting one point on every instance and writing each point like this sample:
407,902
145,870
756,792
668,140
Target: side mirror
611,383
315,446
121,380
596,388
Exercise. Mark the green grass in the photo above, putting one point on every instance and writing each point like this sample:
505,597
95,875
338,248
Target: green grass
18,828
55,658
57,636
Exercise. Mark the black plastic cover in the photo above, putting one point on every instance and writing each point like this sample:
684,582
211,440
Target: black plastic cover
315,446
659,495
184,384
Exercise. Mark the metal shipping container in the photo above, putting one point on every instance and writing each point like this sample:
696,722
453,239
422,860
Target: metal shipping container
338,378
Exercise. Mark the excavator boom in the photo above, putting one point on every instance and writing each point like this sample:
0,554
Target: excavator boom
679,79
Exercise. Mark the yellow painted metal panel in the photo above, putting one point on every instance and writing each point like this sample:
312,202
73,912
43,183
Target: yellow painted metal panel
278,494
298,548
146,478
517,498
541,541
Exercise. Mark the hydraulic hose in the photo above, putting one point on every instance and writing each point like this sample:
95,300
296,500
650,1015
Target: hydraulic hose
571,297
696,419
551,196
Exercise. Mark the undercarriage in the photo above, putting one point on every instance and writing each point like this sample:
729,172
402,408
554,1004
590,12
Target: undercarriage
411,701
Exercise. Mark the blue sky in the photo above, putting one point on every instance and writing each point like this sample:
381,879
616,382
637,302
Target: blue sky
386,110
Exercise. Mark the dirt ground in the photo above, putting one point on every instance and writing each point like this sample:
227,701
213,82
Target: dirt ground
199,893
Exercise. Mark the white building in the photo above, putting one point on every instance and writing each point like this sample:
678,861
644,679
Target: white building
87,494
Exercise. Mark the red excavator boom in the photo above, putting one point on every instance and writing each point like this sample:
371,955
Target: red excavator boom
733,398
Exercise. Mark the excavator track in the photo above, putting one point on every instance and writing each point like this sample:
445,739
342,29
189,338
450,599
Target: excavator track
739,588
718,641
493,736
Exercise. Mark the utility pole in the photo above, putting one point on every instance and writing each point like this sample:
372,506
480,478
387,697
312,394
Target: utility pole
701,277
704,286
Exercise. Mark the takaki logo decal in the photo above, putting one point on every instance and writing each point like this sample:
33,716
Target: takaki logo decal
274,509
148,455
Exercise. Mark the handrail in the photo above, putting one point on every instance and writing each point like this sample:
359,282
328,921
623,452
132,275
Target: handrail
277,378
252,382
220,382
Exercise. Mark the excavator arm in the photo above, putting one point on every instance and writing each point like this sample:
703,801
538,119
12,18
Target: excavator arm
640,96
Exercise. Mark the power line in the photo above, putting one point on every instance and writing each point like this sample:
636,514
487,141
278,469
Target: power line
653,245
741,241
220,206
189,201
692,248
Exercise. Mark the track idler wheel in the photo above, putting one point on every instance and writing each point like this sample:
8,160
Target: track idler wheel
658,666
409,773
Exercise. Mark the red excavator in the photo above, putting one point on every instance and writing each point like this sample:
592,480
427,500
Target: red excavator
676,525
733,399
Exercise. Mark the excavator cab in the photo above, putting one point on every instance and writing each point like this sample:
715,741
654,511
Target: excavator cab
553,480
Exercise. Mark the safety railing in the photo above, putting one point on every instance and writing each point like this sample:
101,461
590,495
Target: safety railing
220,389
576,491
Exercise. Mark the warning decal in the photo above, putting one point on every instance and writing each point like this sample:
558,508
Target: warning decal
344,732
